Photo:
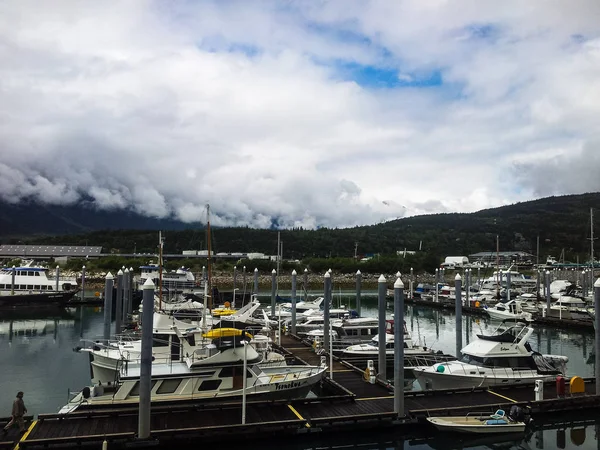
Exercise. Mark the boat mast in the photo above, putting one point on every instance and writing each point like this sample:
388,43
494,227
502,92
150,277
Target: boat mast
592,241
208,266
160,268
498,275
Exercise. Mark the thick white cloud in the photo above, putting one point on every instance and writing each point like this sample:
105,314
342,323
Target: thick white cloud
272,111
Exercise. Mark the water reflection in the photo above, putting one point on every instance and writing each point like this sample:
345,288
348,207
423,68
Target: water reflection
576,434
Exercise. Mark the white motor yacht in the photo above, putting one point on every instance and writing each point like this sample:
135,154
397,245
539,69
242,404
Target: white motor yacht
215,371
371,349
568,307
502,359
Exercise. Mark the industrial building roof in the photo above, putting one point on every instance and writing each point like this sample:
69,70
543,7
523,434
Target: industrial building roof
49,250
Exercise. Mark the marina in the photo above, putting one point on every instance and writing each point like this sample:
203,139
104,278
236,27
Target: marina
345,400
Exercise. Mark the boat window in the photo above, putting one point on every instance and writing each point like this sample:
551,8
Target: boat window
135,390
209,385
168,386
30,274
30,286
22,286
1,286
37,274
160,340
36,287
227,372
50,288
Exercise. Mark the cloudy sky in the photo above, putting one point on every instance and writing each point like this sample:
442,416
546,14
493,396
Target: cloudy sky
304,113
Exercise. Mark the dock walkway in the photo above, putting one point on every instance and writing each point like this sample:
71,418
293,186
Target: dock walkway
346,402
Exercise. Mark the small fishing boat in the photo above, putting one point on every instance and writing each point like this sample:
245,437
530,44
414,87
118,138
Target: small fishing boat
480,423
511,310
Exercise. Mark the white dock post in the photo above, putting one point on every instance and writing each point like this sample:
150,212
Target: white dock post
108,295
294,274
358,291
382,292
398,347
146,360
458,310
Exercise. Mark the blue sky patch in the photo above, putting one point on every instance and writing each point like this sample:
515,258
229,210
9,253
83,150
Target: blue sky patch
383,77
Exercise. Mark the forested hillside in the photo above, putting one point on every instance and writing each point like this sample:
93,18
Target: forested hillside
562,223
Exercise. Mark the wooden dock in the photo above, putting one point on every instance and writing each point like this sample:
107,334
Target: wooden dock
345,403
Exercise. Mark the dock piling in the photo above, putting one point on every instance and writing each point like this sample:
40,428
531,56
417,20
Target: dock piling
82,283
234,283
256,282
327,301
130,285
358,289
12,280
305,284
381,363
458,307
547,289
597,332
294,274
119,304
398,347
508,281
411,283
108,294
57,275
126,298
146,360
273,291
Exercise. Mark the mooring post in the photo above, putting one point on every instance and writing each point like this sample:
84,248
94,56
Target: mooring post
12,280
410,294
204,274
398,347
358,291
597,332
273,291
294,274
547,289
146,360
467,286
126,298
244,283
119,304
437,285
537,285
234,283
130,310
82,283
508,282
327,301
458,308
108,294
305,284
57,275
256,282
381,293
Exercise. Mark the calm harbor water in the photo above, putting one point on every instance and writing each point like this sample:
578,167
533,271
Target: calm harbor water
37,357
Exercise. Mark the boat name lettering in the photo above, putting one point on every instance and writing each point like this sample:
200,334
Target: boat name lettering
503,349
291,385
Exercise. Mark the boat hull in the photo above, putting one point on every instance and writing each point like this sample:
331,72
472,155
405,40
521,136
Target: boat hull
40,298
430,379
476,425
